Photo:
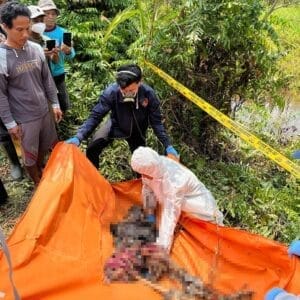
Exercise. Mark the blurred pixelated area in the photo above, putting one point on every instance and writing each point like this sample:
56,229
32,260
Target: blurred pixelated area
138,257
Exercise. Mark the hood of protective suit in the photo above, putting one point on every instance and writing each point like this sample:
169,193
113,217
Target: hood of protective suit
146,161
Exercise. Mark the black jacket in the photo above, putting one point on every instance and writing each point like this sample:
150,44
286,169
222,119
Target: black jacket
126,117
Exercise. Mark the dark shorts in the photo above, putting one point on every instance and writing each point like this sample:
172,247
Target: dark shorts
38,137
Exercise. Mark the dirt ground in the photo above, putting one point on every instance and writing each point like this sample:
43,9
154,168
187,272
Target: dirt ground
19,192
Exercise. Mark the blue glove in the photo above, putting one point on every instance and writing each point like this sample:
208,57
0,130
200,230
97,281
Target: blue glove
296,154
273,293
73,140
294,248
171,150
151,218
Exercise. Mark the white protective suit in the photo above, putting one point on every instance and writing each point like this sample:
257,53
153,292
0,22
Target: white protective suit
176,188
286,296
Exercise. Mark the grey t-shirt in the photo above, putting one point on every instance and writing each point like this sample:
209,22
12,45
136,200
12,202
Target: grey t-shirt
26,84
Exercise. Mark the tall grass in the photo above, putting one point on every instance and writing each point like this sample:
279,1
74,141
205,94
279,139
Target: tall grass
288,27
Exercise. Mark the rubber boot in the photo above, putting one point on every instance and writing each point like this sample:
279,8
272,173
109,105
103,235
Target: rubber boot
15,170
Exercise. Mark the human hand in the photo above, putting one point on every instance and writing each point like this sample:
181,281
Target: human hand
48,53
294,248
55,55
172,153
73,140
15,132
52,54
57,114
65,49
151,218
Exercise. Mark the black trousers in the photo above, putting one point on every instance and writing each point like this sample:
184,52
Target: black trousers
7,143
63,96
3,193
95,148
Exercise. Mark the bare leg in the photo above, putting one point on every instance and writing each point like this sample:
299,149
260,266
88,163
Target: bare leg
41,161
34,173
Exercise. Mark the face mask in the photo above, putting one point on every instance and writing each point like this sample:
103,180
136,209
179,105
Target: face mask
38,28
129,96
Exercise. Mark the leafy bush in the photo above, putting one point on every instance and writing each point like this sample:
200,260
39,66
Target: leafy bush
252,198
219,49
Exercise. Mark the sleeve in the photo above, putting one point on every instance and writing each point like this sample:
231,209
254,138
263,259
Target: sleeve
48,82
71,55
5,113
148,197
155,119
98,113
171,210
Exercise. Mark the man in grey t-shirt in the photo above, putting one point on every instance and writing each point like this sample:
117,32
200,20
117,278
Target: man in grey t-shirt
27,90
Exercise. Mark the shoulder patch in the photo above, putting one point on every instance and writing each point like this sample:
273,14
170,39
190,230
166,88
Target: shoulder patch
145,102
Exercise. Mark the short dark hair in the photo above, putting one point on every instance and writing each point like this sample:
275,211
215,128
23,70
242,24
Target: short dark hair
11,10
128,74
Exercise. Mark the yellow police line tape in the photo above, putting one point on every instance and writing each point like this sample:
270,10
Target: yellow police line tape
229,123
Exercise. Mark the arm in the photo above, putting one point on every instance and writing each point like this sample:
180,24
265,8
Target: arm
149,201
54,55
48,82
170,214
50,89
69,52
98,113
5,113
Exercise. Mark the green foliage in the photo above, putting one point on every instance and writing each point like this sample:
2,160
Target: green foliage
114,163
254,199
287,23
218,49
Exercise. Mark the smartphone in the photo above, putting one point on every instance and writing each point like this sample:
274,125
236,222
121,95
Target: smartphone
50,44
67,39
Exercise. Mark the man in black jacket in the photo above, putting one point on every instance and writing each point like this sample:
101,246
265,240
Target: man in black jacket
133,106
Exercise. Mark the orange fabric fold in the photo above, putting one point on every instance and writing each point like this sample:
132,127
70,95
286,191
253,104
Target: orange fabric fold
59,246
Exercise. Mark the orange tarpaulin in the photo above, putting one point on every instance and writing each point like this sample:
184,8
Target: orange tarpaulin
60,244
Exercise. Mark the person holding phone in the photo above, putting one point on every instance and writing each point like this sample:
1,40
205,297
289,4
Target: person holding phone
37,26
63,47
37,33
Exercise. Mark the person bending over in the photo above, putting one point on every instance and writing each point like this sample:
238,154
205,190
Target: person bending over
176,189
133,106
